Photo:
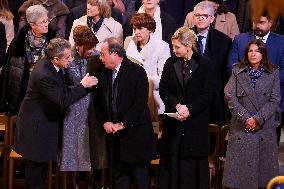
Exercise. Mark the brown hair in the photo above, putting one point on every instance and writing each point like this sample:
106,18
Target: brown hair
265,62
83,36
4,10
140,20
103,6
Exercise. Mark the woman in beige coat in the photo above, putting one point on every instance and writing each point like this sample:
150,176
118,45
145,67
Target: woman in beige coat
99,20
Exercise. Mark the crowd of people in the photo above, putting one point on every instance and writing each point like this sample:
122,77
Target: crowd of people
87,79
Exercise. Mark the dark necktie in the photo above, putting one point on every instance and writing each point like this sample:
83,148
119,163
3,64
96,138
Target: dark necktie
199,41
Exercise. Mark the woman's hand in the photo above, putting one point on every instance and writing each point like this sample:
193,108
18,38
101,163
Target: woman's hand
182,110
252,124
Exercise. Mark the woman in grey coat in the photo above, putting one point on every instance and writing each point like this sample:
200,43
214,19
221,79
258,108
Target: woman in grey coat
75,142
253,94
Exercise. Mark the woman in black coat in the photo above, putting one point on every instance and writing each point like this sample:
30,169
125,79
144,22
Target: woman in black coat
186,88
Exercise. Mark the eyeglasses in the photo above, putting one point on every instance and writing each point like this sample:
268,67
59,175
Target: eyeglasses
202,16
42,23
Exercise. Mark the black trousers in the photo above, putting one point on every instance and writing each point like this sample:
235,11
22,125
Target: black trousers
35,173
184,173
135,173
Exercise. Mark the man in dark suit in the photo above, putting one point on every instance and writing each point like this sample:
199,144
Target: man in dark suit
274,44
42,111
123,112
215,45
81,10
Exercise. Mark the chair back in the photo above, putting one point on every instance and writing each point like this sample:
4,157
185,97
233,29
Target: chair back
224,140
276,183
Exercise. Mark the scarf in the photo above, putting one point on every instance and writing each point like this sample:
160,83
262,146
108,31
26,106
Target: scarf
255,74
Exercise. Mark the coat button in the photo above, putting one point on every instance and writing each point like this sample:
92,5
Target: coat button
239,138
182,134
261,139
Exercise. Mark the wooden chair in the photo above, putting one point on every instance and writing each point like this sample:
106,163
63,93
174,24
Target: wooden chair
276,182
15,156
4,128
214,130
223,149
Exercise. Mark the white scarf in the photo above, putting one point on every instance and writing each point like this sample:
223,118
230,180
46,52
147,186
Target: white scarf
157,18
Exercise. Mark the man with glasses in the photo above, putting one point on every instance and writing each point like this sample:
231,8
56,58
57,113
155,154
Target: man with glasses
214,45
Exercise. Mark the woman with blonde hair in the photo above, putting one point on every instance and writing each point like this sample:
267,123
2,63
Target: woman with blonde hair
187,89
99,19
6,17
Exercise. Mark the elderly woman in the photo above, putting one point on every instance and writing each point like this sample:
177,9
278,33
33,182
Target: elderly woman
75,142
253,94
28,47
187,89
99,19
147,50
57,13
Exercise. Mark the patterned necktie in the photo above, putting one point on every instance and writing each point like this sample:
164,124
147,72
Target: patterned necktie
200,44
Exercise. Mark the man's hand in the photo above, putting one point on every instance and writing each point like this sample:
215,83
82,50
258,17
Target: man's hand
108,127
89,81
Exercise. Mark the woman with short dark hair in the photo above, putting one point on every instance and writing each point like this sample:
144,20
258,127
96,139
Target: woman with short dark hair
75,142
147,50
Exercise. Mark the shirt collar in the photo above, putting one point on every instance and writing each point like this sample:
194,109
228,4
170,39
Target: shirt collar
264,38
204,34
117,68
56,67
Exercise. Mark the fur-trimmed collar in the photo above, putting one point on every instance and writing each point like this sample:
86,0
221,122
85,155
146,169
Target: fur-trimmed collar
17,47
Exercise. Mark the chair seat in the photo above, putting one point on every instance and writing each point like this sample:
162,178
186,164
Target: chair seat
14,154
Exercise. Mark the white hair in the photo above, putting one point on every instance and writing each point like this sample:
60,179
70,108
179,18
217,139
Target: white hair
33,13
205,5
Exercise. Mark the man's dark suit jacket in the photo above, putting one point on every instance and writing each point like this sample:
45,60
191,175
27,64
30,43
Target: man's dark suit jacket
217,51
81,10
136,141
41,113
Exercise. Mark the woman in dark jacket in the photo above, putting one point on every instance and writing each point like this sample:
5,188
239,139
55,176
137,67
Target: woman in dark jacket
186,89
28,47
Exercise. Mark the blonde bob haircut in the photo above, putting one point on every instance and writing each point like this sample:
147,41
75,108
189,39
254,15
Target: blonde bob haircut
103,6
186,36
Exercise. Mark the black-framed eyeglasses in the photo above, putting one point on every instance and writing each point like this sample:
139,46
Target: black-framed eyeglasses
202,16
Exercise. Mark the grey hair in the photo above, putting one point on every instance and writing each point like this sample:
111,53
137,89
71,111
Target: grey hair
56,47
205,5
33,13
115,45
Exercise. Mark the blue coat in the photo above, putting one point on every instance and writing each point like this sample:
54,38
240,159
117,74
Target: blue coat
275,49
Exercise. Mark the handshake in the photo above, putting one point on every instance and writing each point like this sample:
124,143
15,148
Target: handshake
89,81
